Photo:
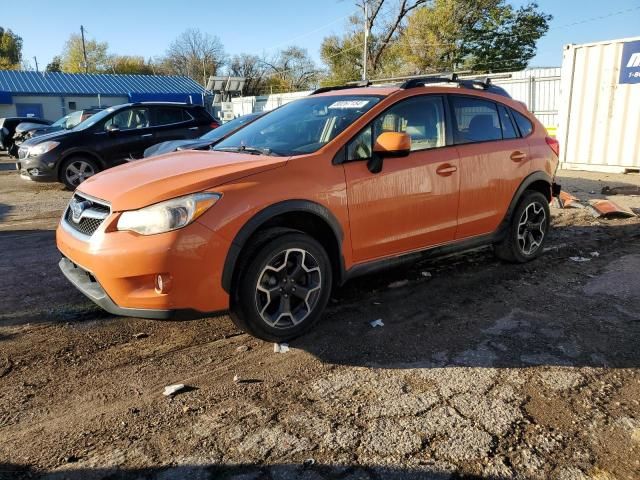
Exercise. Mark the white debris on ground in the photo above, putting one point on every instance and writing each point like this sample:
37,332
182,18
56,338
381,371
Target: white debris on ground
280,347
173,389
579,259
377,323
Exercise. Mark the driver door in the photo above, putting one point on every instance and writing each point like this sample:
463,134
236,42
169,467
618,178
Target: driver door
134,133
413,202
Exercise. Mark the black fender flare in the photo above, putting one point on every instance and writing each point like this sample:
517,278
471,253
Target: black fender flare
268,213
526,183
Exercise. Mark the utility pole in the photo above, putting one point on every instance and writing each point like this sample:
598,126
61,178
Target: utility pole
84,50
204,73
36,60
366,38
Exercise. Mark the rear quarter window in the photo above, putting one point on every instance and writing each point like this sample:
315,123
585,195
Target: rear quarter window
524,124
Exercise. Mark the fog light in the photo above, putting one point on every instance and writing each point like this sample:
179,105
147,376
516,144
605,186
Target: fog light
34,171
163,283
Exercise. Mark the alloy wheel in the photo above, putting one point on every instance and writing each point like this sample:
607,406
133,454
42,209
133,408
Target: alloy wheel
531,228
288,288
78,171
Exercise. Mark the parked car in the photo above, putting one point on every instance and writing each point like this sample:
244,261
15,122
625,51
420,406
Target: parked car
8,128
111,137
206,141
341,183
26,130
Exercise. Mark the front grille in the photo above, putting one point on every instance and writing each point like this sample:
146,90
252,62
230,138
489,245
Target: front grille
92,216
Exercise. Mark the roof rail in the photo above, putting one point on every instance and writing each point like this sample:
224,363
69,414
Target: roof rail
483,83
356,84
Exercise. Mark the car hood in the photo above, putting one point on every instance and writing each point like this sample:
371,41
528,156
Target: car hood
145,182
47,136
26,126
173,145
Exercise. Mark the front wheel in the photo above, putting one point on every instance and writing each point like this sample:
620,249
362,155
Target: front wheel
527,231
76,170
283,288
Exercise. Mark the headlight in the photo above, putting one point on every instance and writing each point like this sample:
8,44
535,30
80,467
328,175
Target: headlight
169,215
41,148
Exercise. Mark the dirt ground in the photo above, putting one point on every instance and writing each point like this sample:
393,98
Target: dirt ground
481,370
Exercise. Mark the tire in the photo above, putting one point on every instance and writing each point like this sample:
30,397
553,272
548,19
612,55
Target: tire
277,301
528,230
76,170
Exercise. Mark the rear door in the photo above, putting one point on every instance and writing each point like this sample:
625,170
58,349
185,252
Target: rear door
413,202
493,162
134,133
173,123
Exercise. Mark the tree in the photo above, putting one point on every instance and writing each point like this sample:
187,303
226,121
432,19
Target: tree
505,40
130,65
252,68
484,35
194,54
10,50
291,69
54,65
343,55
73,58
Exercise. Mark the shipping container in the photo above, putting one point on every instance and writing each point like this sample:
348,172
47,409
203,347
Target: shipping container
599,127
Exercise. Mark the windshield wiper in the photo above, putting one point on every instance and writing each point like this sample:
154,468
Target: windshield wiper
246,149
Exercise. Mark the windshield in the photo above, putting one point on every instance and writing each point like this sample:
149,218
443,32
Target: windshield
74,119
300,127
60,122
93,119
227,128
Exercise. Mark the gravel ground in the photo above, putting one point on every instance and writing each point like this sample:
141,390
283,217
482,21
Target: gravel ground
481,370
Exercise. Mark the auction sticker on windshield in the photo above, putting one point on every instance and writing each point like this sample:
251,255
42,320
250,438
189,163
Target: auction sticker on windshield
349,104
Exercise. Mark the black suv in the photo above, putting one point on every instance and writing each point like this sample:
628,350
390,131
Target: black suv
113,136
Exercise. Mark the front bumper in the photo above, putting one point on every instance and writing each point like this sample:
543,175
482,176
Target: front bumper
38,169
89,286
123,267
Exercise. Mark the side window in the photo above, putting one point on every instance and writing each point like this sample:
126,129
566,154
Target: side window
476,120
508,128
169,115
129,119
524,124
422,118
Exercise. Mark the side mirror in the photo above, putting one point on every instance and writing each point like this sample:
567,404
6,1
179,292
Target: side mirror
113,128
388,144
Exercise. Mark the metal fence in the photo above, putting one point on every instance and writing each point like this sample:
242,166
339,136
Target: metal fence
538,88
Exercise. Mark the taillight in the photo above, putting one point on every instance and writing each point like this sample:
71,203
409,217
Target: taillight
214,125
553,145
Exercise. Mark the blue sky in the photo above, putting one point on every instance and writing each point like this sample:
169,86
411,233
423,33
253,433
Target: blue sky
145,27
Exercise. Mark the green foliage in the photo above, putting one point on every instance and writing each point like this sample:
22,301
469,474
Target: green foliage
130,65
55,65
10,50
506,39
73,59
437,36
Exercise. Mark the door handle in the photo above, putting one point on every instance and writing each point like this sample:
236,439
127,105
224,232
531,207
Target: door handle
146,135
518,156
446,170
193,128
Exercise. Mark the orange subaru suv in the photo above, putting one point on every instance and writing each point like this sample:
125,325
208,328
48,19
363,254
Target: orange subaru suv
337,184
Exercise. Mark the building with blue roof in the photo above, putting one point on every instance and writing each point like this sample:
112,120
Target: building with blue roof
53,95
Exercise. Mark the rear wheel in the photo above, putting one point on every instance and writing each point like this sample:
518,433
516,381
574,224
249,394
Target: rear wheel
527,231
283,288
76,170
